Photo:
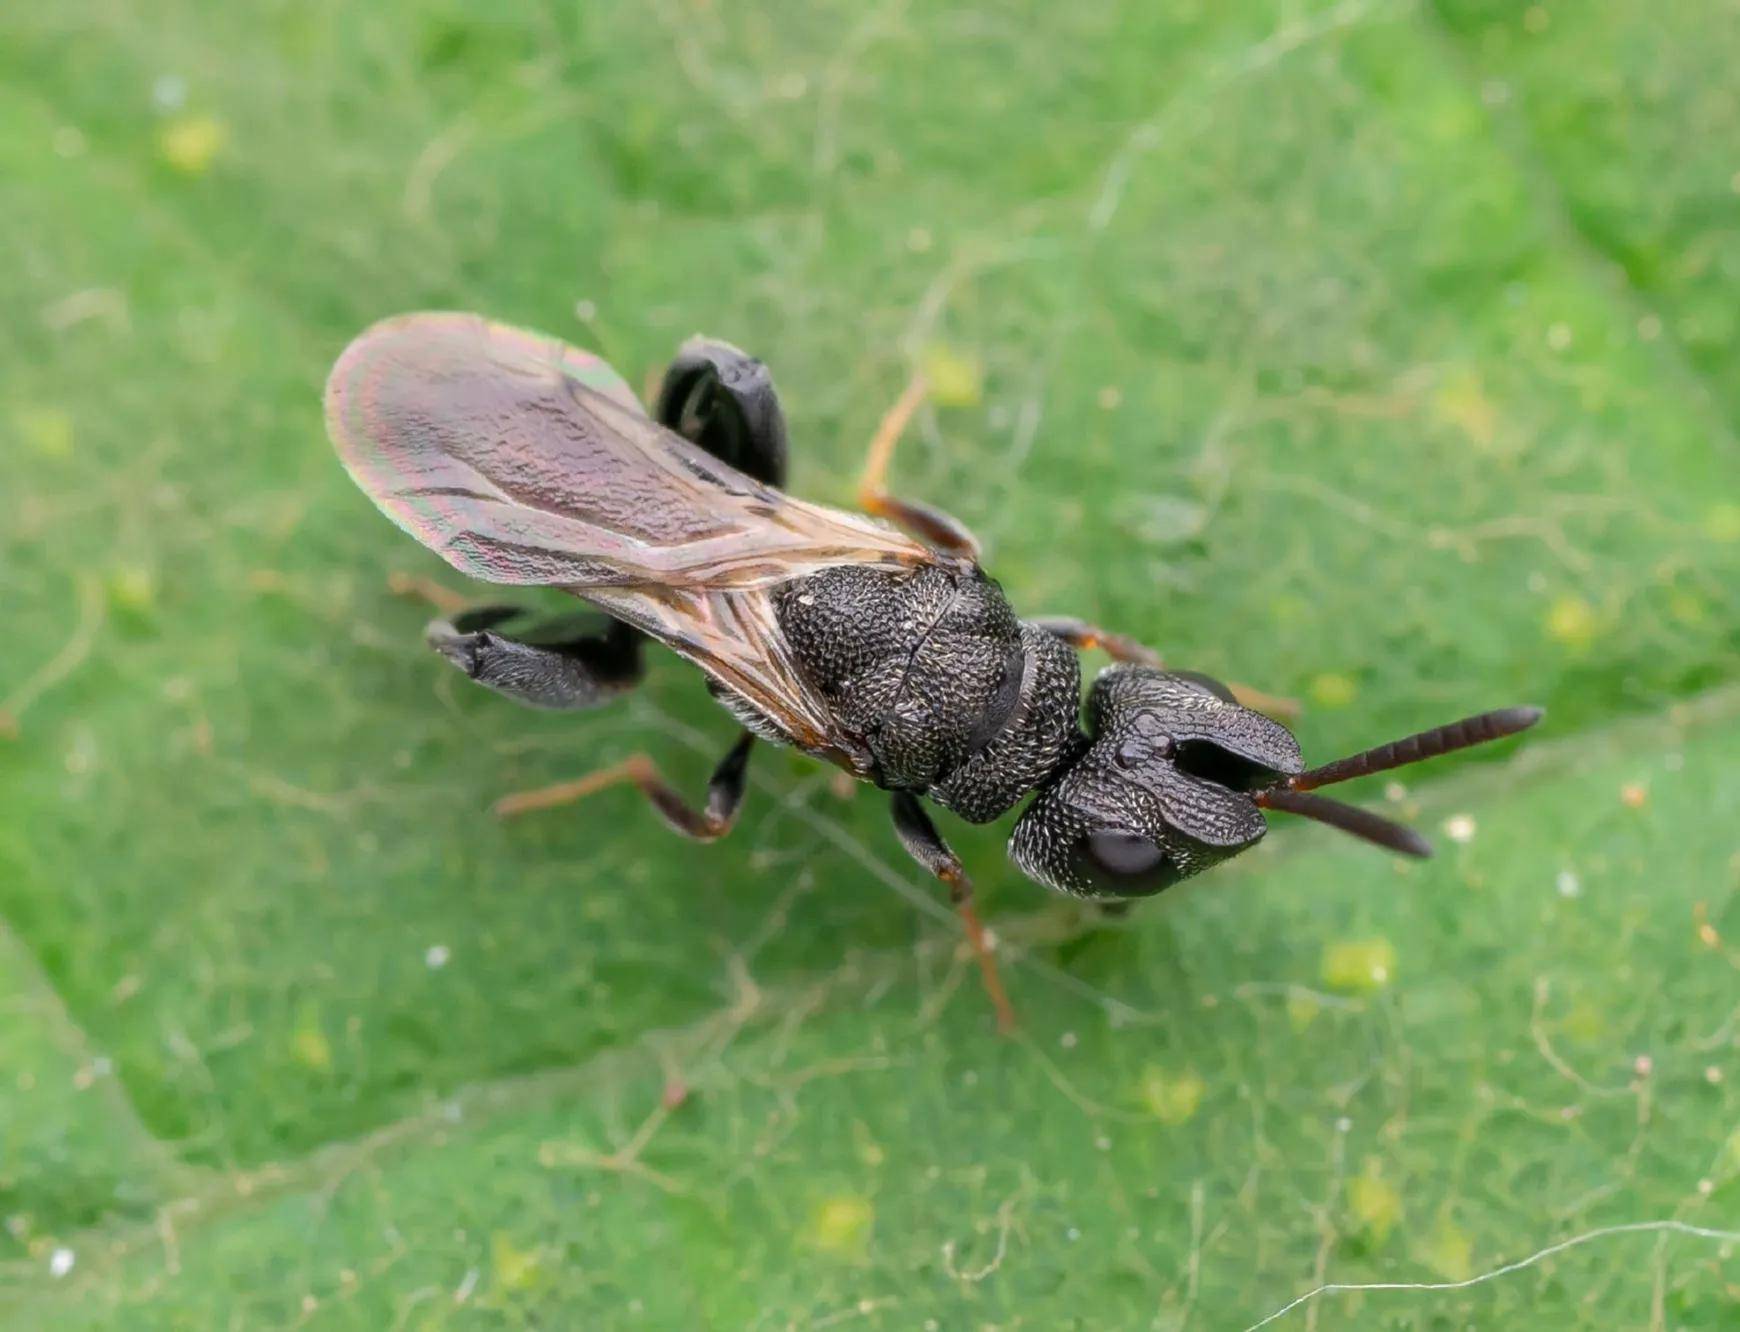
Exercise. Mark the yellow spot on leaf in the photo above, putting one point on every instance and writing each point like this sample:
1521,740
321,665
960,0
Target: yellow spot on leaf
1687,608
1330,690
1571,621
956,378
309,1046
191,143
1722,522
1359,966
1584,1022
1373,1201
1462,402
46,430
1289,610
841,1225
1172,1098
1449,1251
514,1268
1302,1010
132,589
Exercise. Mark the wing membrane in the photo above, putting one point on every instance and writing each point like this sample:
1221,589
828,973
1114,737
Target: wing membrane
522,460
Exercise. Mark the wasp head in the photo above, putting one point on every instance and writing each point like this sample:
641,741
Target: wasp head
1174,776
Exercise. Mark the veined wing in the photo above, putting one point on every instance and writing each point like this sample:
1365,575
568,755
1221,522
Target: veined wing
521,460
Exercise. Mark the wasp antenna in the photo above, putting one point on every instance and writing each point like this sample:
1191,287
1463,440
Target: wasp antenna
1362,823
1476,730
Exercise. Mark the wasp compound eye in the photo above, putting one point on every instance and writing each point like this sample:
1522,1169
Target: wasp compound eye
1124,864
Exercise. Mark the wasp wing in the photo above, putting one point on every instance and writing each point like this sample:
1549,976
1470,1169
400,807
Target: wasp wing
519,459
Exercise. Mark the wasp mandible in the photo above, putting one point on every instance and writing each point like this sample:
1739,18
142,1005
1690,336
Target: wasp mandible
876,643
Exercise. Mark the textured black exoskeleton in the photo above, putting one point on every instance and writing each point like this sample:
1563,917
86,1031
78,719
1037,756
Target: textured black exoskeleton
523,461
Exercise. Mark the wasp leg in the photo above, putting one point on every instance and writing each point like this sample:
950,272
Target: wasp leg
938,530
925,845
1081,634
722,399
571,662
1278,706
426,590
724,792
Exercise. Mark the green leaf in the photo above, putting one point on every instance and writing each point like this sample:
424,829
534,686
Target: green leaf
1378,355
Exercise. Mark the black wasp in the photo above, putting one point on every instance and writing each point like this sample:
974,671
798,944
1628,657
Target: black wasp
521,460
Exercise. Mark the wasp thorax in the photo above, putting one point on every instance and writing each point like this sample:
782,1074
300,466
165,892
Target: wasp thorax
951,694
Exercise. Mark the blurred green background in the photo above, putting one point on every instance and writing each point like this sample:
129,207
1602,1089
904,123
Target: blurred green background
1385,354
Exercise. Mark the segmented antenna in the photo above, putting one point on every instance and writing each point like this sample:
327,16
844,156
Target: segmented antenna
1362,823
1475,730
1292,795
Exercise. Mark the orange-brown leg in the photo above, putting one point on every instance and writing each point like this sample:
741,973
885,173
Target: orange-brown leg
1278,706
925,844
712,821
426,590
1081,634
939,530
